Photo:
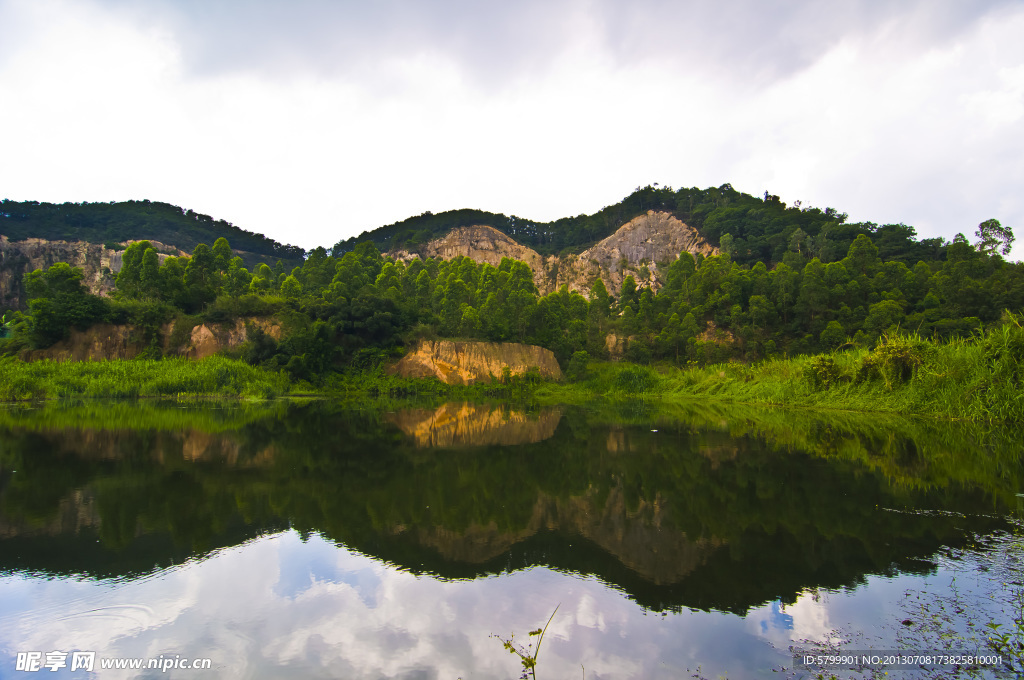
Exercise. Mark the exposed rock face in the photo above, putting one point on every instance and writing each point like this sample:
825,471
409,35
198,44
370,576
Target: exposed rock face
653,240
100,265
463,424
107,341
206,340
465,363
481,244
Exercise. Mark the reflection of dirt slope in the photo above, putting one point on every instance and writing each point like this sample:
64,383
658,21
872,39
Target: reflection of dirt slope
76,512
454,424
636,538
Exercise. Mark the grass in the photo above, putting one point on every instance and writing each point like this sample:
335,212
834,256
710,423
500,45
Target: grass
977,379
216,376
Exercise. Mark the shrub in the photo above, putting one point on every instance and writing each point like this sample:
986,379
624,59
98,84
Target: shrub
636,379
895,360
823,373
578,365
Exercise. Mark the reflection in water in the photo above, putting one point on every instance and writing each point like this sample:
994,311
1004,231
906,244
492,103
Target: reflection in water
464,424
747,515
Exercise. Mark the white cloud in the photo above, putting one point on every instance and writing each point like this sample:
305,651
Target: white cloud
897,113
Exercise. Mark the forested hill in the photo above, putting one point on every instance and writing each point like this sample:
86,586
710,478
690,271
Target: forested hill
133,220
759,228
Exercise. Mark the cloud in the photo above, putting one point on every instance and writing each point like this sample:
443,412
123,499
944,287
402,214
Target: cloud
742,40
313,121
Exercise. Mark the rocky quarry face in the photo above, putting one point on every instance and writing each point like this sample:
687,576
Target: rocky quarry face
99,264
481,244
654,241
466,363
644,247
108,341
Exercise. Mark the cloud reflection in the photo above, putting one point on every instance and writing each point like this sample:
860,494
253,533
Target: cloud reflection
280,607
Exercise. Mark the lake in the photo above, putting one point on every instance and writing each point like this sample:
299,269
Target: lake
313,540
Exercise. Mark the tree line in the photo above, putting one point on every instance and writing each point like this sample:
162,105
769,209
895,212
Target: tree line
352,309
114,222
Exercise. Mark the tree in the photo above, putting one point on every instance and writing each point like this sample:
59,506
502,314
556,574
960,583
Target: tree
291,288
628,296
58,301
222,254
149,276
129,279
833,335
993,236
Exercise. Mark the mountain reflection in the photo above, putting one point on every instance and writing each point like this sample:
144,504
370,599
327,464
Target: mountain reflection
711,509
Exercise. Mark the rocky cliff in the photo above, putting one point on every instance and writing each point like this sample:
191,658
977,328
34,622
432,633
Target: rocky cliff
481,243
465,363
99,264
643,247
108,341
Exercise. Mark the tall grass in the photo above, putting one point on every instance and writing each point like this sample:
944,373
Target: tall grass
215,376
977,379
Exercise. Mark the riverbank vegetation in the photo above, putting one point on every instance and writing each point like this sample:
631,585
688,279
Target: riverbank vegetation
798,307
216,376
976,378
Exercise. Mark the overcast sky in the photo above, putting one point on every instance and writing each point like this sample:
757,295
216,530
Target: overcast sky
314,120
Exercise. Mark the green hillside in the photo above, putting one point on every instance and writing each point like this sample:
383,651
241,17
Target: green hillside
135,220
760,228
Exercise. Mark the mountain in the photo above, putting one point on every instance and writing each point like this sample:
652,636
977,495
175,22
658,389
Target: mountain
754,229
642,248
91,236
114,223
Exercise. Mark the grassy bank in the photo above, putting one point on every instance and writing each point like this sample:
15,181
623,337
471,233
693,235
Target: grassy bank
216,376
978,379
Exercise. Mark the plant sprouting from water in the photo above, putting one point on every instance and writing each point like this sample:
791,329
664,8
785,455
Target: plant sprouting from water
528,654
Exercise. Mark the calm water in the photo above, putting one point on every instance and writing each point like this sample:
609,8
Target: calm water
306,540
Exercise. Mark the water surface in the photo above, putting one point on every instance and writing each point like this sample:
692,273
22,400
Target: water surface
308,540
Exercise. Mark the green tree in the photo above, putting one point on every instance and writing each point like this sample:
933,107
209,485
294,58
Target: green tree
291,288
150,284
628,296
222,254
833,335
993,236
129,278
57,302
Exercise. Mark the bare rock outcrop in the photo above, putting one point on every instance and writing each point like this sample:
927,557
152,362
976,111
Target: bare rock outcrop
643,248
465,362
654,241
481,243
109,341
98,263
205,340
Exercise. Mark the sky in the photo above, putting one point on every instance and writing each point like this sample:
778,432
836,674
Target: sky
314,120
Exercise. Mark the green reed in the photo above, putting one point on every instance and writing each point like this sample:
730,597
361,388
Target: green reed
215,376
977,379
